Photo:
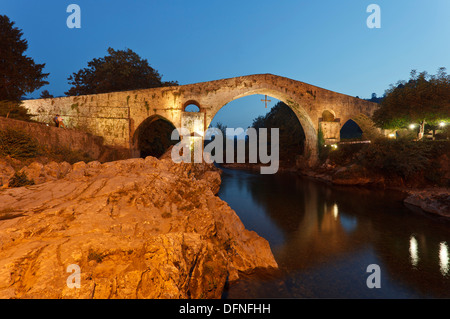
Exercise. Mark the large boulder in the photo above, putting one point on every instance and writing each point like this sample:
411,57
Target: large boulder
137,228
435,201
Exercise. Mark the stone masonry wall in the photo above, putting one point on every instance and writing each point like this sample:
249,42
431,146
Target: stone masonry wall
51,136
103,115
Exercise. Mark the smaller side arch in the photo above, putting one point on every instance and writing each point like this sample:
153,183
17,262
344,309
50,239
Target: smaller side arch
192,102
350,130
328,116
152,137
367,126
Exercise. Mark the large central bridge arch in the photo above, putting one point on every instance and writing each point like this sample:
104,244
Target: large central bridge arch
300,112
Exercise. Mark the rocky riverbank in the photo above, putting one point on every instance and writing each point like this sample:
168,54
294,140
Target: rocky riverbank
431,199
137,228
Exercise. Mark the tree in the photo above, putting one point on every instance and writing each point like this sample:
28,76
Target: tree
423,99
291,134
375,99
221,127
19,74
46,95
120,70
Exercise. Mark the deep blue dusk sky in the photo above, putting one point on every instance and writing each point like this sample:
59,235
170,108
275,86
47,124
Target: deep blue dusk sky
323,42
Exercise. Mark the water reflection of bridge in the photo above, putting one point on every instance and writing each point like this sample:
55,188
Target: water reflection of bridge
323,224
323,233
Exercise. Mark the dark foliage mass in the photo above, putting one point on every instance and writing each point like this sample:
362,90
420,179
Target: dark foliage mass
18,144
402,158
422,99
19,74
292,136
120,70
19,180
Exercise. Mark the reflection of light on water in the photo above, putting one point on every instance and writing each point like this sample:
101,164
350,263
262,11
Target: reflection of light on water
413,251
335,211
443,258
348,223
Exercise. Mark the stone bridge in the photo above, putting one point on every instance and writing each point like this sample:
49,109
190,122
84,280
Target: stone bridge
119,116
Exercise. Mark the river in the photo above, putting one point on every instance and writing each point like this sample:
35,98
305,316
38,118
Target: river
324,238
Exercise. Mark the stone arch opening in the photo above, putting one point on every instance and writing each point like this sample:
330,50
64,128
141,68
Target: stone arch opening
191,106
351,130
153,136
368,128
310,152
328,116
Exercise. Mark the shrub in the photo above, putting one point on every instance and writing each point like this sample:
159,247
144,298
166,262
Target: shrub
346,153
14,110
19,180
96,255
402,157
63,153
18,144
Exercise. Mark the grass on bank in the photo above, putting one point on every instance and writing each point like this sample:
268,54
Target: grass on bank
20,149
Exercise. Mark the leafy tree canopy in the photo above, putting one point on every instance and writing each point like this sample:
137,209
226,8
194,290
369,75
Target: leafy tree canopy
120,70
423,99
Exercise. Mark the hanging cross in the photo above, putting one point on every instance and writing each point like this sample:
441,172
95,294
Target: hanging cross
266,100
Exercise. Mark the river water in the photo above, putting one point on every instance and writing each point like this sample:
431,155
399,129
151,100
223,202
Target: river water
324,238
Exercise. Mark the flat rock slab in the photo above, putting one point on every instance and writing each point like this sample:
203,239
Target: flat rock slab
137,228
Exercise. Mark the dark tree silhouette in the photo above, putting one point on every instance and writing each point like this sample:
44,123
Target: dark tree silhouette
46,95
19,74
120,70
291,132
